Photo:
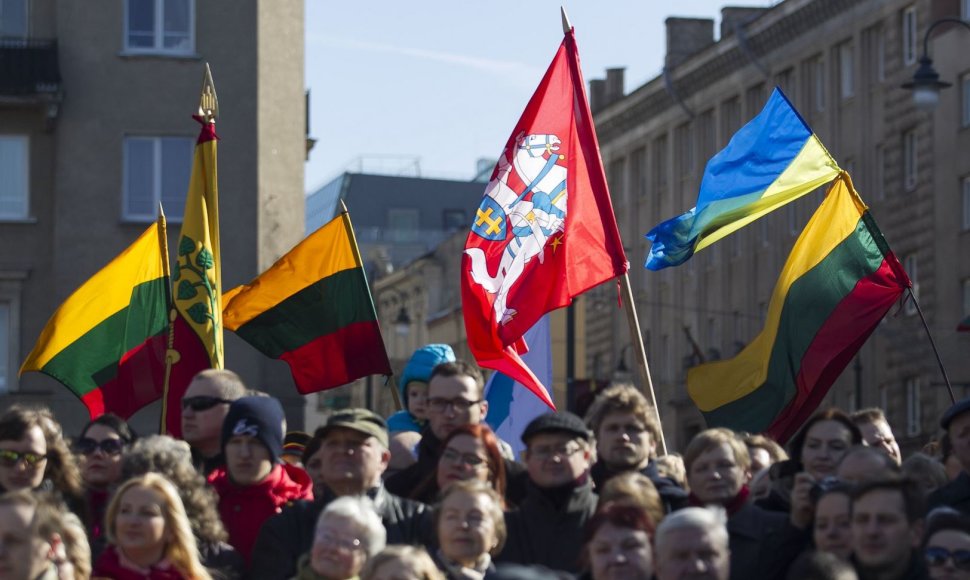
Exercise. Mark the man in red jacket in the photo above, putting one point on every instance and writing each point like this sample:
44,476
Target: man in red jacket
255,484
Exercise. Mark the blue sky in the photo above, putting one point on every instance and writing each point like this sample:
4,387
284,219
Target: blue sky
444,82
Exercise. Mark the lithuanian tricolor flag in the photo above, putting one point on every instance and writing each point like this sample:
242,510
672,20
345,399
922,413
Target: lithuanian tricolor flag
314,310
107,341
773,160
839,281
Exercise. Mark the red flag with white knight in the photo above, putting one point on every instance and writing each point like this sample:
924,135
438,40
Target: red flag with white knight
529,251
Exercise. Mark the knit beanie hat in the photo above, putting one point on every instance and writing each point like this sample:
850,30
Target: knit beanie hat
420,365
259,417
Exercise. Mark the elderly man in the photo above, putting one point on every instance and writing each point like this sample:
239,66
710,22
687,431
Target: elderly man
763,543
456,397
354,449
204,408
877,433
693,543
956,494
627,433
887,525
548,527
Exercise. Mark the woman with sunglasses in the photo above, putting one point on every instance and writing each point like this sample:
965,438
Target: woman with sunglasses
946,545
469,452
34,454
99,450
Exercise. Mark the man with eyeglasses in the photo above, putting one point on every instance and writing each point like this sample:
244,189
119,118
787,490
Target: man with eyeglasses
548,527
204,408
456,397
627,432
887,524
352,449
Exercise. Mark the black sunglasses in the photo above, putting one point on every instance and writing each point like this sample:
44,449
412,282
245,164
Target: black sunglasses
88,446
202,402
937,556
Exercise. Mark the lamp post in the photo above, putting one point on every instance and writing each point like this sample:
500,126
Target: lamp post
926,84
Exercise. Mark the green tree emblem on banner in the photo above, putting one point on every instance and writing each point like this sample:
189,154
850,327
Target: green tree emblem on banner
191,272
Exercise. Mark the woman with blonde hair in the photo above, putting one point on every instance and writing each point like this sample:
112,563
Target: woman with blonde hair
149,534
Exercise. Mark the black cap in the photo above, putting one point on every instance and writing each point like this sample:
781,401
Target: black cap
260,417
958,408
561,422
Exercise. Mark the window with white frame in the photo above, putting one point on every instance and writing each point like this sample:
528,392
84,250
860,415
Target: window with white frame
965,99
846,70
910,161
15,181
914,408
965,197
13,18
911,266
5,338
157,169
909,35
160,26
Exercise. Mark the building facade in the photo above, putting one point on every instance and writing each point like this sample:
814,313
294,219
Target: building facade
841,62
97,131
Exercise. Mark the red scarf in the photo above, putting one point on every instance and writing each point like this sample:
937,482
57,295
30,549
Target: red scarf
732,506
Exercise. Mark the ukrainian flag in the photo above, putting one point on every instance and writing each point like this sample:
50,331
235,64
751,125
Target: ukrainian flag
774,159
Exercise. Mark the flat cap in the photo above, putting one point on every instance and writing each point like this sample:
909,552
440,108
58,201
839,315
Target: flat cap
561,422
362,420
958,408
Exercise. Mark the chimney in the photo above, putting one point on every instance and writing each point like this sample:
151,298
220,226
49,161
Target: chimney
686,37
597,95
614,85
736,16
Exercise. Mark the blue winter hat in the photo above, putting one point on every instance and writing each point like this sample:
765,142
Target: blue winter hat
259,417
422,362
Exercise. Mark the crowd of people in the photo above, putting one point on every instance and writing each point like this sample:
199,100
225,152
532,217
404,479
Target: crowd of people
432,493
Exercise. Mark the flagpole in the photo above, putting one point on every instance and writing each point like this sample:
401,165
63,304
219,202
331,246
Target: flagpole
642,366
939,360
171,355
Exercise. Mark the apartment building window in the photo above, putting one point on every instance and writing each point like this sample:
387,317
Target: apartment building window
914,407
15,169
910,160
846,70
874,39
13,18
157,170
965,99
965,197
160,26
909,35
912,270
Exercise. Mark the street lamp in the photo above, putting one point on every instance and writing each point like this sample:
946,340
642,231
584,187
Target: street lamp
926,84
402,323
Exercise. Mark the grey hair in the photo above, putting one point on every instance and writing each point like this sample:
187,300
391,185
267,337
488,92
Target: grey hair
361,511
711,519
229,385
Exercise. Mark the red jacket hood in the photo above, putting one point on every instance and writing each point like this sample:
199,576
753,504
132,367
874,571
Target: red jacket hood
286,482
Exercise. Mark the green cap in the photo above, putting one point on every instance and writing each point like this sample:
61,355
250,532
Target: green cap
362,420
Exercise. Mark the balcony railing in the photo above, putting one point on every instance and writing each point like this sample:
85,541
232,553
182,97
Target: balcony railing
29,67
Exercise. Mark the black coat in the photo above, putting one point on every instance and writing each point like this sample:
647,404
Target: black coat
672,495
916,571
955,494
288,535
763,543
540,532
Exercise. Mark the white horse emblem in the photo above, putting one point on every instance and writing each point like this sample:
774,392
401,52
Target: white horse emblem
532,221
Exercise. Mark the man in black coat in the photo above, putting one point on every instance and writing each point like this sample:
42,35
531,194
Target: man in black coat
353,444
887,525
627,432
548,527
956,494
456,397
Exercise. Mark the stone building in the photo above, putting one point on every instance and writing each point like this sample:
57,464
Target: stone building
95,130
841,62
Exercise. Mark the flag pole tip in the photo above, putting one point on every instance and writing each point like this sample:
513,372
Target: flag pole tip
161,211
566,26
208,101
343,207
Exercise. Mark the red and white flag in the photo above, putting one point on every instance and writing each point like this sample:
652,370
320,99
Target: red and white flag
529,251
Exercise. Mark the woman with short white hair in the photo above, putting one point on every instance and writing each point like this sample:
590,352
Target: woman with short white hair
348,533
693,539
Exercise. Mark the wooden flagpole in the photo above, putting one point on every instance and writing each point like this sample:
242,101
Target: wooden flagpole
642,366
171,355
